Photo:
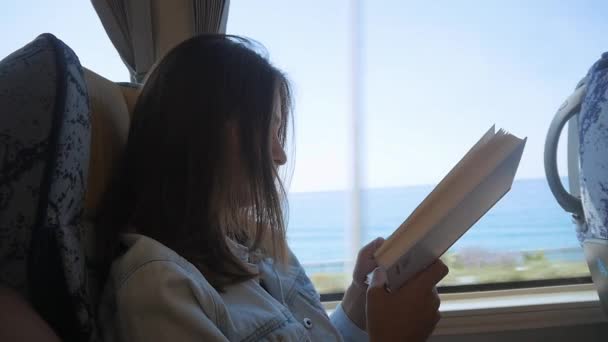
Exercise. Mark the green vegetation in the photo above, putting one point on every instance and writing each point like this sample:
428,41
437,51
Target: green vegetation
327,282
479,266
530,270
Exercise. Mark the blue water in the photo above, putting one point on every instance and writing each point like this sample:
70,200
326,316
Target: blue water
527,219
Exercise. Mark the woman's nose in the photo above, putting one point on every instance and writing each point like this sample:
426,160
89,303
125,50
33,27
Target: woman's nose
278,154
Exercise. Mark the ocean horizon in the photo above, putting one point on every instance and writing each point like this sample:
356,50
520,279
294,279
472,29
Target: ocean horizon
526,219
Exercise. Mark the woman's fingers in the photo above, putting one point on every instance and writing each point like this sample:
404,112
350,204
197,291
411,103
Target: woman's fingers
435,302
428,278
368,250
366,262
409,313
378,280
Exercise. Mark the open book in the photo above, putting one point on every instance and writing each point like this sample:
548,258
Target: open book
481,178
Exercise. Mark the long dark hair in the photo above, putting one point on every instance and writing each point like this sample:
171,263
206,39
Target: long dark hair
177,183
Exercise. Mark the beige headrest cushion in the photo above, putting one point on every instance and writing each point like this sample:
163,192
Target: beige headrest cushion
130,95
111,106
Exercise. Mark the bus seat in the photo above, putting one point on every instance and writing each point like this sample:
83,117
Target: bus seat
110,108
587,111
62,128
45,132
593,152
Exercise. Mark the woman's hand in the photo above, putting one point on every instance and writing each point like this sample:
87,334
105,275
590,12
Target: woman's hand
353,302
409,313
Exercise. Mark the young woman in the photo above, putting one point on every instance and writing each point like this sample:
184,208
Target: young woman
196,225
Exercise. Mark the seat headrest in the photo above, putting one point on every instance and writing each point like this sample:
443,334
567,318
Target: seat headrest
111,106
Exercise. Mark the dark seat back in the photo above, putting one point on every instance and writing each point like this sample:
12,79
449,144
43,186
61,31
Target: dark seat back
44,154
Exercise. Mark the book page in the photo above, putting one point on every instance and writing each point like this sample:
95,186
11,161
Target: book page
446,232
471,171
481,142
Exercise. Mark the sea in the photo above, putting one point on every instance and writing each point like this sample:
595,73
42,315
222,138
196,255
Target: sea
526,219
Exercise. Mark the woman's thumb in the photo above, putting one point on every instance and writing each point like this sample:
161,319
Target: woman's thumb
367,252
378,278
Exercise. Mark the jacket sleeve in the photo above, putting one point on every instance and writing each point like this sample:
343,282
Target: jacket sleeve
349,331
157,302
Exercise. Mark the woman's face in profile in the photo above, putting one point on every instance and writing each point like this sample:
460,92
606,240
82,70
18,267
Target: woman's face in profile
278,153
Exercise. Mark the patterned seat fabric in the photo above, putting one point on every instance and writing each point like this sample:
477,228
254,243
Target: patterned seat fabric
593,128
44,154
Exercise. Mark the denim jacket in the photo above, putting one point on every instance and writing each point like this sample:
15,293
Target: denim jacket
153,294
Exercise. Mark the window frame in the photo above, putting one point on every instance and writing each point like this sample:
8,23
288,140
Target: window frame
468,313
355,232
487,287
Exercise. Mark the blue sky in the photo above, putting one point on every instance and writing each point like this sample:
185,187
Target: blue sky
436,74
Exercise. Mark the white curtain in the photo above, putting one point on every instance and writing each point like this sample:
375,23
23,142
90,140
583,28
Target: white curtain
144,30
